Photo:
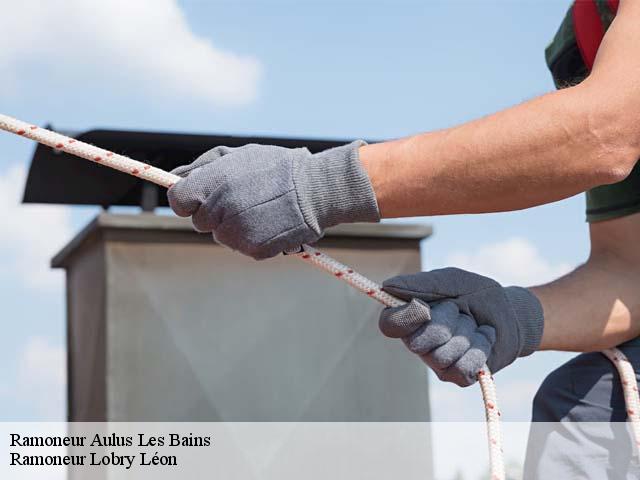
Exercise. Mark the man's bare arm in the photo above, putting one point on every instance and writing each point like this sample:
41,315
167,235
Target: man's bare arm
598,305
541,151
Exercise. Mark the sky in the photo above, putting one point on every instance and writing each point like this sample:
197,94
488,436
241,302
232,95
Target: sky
327,69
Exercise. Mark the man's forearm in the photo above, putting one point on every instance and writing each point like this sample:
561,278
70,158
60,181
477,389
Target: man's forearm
594,307
540,151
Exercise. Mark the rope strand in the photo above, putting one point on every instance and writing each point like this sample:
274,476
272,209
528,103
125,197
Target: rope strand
335,268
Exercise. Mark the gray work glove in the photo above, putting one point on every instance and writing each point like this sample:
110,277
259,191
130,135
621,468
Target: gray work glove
456,321
262,200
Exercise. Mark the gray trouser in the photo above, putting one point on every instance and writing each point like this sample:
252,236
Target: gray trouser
585,389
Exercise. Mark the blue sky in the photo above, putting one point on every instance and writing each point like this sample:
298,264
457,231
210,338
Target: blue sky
345,69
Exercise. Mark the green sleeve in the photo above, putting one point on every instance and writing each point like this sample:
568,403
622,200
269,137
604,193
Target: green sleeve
615,200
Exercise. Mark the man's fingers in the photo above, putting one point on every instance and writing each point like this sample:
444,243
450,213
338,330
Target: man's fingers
204,159
446,355
436,284
486,334
420,285
183,199
398,322
186,196
184,170
434,333
464,371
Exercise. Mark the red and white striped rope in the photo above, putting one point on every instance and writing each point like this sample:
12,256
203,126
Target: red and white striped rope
629,389
337,269
90,152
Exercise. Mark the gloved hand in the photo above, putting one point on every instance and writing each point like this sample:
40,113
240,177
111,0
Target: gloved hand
262,200
456,321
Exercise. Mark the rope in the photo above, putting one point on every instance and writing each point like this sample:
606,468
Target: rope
89,152
629,389
335,268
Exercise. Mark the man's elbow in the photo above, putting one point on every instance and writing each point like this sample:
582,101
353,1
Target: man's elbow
614,137
613,166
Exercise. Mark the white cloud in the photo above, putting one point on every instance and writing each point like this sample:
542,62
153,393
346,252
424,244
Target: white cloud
42,377
30,234
514,261
146,45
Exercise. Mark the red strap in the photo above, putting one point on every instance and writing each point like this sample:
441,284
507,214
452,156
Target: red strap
613,5
588,28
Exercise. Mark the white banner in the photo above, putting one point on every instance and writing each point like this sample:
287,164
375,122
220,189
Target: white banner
309,451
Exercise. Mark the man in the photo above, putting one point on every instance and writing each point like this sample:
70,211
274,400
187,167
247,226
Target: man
262,200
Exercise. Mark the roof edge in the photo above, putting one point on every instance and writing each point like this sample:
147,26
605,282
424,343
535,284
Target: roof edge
150,221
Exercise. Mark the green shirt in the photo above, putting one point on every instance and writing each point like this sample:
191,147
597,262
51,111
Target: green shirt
567,67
